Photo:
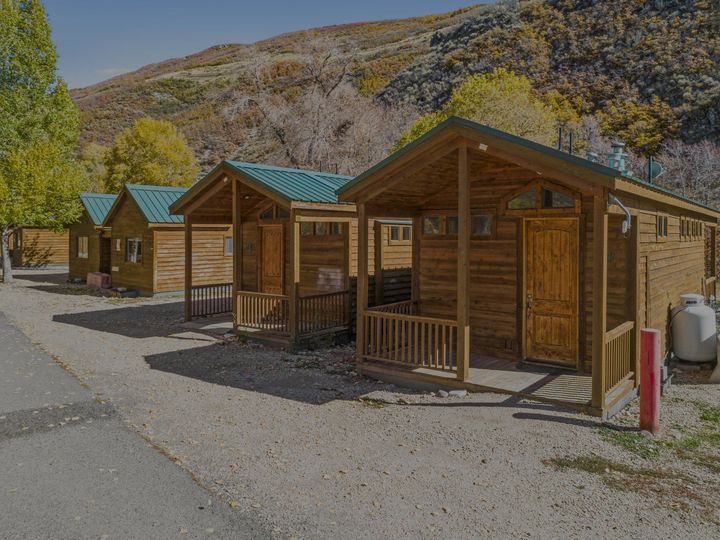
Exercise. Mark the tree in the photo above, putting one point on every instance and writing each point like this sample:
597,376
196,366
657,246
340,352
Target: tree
502,100
692,170
643,126
326,123
150,152
39,177
92,158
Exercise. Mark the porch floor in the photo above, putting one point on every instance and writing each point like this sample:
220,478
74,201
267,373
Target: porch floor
488,374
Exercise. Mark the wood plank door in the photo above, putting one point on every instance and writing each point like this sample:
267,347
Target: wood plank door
551,283
105,254
271,260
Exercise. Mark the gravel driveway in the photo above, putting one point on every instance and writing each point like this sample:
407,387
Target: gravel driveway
315,451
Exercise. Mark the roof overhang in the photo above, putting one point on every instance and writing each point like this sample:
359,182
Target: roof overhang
114,208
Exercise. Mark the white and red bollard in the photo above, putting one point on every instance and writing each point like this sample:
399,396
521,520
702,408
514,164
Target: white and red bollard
650,380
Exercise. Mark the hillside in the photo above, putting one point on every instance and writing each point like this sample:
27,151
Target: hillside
595,53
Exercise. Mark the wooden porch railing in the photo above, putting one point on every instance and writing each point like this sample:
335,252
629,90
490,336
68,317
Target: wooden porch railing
619,363
260,311
210,299
323,311
409,340
407,307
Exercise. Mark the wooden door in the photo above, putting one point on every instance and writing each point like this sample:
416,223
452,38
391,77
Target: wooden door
551,283
271,260
105,247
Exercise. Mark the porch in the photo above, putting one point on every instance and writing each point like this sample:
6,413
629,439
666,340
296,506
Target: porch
397,341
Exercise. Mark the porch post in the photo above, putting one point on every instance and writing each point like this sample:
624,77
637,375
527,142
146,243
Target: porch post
463,273
362,282
295,276
347,268
378,273
415,270
599,281
188,267
237,247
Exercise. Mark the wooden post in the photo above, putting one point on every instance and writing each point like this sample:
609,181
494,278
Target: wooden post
362,281
650,381
599,282
294,277
378,263
188,267
635,299
415,270
237,247
347,262
463,273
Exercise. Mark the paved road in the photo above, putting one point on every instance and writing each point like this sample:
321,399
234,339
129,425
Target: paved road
70,468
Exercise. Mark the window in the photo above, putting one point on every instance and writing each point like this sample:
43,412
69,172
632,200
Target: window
228,246
394,233
268,213
133,250
282,213
555,199
481,225
451,225
431,226
407,234
336,229
710,252
662,227
321,228
524,201
399,234
306,228
82,247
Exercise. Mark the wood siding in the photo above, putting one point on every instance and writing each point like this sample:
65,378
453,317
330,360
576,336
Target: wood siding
80,267
41,247
129,222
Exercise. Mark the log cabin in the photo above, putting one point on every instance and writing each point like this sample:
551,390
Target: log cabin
533,269
148,248
296,260
90,242
36,247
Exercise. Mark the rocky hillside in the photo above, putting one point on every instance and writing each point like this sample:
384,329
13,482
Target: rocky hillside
594,52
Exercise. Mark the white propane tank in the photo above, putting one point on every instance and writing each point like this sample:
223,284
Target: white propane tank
694,331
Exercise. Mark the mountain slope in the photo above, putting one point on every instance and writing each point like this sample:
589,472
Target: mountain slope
595,53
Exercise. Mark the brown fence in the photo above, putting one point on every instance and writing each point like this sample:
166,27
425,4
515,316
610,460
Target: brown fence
410,340
324,311
260,311
618,355
210,299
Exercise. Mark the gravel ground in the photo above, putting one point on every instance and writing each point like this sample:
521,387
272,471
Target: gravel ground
316,451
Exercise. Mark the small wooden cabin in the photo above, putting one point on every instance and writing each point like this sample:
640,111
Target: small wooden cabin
90,243
296,263
533,269
148,243
38,247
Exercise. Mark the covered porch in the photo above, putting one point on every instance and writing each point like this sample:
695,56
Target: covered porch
512,290
291,276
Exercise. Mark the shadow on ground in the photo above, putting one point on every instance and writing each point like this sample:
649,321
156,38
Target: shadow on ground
135,320
58,278
270,372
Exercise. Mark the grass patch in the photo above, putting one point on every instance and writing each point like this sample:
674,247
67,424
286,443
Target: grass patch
633,442
599,465
373,403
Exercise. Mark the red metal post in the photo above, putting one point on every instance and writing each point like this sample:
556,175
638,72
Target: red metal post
650,380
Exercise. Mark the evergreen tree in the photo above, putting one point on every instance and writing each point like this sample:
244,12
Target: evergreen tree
39,177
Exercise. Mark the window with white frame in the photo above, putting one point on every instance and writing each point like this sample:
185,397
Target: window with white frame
82,247
133,250
228,246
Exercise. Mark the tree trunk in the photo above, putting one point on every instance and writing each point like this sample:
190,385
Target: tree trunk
6,263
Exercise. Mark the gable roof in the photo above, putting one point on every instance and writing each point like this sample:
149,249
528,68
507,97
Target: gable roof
153,202
286,184
97,206
492,133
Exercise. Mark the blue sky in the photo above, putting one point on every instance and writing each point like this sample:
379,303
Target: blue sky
97,39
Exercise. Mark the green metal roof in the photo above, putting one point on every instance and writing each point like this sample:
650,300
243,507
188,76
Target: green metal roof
530,145
97,205
154,201
294,184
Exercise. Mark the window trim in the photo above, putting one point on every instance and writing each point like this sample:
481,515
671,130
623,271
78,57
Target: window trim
79,254
137,239
227,253
442,215
661,224
401,241
538,186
